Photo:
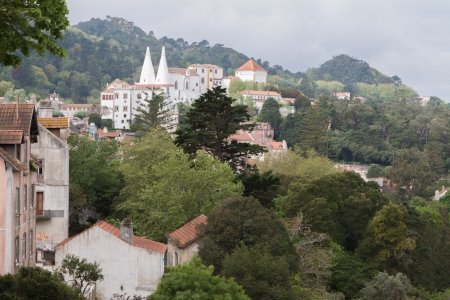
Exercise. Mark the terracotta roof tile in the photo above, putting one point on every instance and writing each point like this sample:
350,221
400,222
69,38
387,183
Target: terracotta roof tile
241,136
187,234
138,241
11,137
181,71
250,65
60,122
9,119
15,163
276,145
260,93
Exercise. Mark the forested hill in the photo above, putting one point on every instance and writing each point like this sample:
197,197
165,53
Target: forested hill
98,51
349,70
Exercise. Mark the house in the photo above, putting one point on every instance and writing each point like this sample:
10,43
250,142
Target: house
69,110
130,264
18,178
261,95
52,191
251,71
342,95
210,75
262,134
105,134
182,243
441,193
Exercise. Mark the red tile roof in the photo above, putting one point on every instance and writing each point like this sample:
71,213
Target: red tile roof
11,137
138,241
260,93
241,136
250,65
15,163
276,145
18,118
59,122
187,234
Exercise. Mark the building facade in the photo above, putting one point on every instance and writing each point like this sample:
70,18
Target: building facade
251,71
18,178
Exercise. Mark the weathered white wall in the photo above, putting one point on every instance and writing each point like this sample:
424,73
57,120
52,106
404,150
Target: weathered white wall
127,269
184,254
55,155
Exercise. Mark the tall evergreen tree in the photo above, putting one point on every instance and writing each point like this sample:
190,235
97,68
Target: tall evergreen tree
153,112
209,124
270,113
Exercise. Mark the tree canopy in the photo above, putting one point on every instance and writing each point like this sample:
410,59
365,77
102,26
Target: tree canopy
209,124
193,280
31,25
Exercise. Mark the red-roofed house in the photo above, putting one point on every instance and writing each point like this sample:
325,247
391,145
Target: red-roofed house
130,264
18,130
251,71
181,243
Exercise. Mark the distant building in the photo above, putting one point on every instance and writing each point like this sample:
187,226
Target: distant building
18,178
251,71
121,101
69,110
262,135
130,264
261,95
210,75
342,95
182,243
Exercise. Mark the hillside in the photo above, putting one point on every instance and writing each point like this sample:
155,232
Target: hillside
98,51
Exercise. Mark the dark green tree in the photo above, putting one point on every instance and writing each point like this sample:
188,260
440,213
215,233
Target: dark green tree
209,124
340,205
244,221
313,129
387,287
193,280
31,25
270,113
263,276
37,284
301,103
153,112
96,119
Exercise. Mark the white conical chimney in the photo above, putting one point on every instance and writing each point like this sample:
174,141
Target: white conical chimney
163,70
147,73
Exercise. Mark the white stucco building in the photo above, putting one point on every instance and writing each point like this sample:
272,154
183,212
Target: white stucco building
130,264
182,243
120,101
210,75
251,71
52,190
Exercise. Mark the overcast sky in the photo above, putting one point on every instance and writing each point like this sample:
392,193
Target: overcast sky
408,38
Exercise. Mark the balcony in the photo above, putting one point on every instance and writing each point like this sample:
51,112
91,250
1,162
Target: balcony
43,214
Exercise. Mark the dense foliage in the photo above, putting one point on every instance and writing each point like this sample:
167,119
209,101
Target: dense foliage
37,284
29,25
193,280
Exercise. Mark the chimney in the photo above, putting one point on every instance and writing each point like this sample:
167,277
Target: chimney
126,231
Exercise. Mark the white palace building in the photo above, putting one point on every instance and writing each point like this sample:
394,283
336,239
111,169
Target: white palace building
120,101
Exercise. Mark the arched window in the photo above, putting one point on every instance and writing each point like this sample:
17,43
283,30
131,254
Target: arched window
25,194
16,250
187,85
24,246
31,242
176,259
176,85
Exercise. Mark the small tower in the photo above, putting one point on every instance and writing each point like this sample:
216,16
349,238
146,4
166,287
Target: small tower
147,72
163,70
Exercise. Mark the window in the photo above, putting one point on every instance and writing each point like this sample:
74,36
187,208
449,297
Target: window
215,71
116,108
25,158
39,203
32,196
203,70
25,194
125,108
139,96
16,250
196,84
116,95
187,85
40,169
17,200
176,259
210,79
210,70
203,80
176,85
124,115
24,246
122,121
125,96
31,242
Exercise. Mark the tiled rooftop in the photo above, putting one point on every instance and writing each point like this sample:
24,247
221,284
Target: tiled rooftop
250,65
187,234
17,117
60,122
15,163
11,137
